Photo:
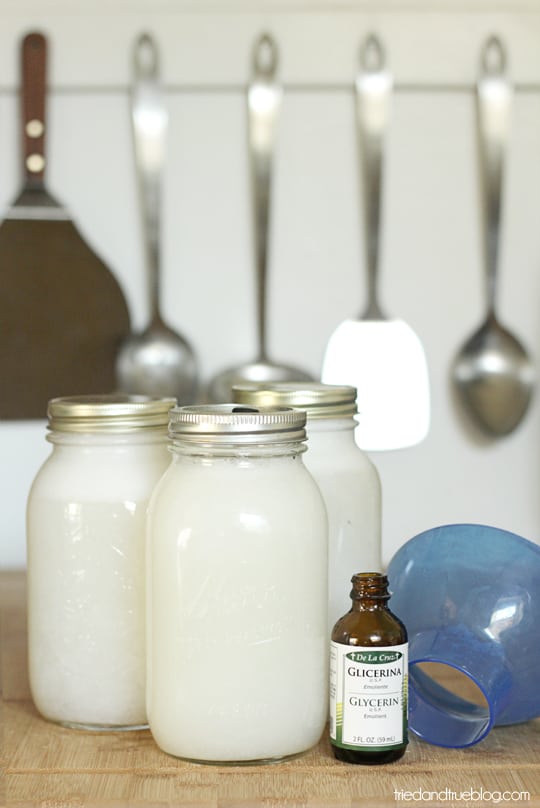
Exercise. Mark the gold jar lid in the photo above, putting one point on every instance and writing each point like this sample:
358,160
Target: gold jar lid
225,424
108,413
317,399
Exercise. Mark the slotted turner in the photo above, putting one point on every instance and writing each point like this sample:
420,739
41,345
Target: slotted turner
62,312
383,358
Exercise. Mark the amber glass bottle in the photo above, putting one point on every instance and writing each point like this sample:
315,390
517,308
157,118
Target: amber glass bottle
368,677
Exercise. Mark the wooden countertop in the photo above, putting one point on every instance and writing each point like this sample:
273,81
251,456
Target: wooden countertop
52,767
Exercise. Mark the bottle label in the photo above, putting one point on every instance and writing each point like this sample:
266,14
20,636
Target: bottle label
368,696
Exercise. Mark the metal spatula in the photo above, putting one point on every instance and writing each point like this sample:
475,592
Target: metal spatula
383,358
62,311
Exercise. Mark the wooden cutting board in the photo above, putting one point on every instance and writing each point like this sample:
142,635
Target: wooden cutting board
49,766
62,312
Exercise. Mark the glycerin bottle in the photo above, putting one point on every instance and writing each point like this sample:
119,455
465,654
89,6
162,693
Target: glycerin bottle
368,677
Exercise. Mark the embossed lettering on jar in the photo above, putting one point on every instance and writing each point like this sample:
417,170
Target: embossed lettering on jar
237,589
85,531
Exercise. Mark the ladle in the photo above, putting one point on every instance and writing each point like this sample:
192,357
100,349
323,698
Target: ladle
493,373
158,361
264,99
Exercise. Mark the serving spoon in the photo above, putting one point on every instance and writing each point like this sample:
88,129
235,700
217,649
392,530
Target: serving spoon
493,372
158,361
263,100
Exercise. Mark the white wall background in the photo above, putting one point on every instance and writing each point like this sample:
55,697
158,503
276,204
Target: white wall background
431,259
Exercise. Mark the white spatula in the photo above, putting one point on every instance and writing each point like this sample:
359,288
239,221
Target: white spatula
382,358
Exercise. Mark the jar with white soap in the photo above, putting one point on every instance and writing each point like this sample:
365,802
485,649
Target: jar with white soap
346,476
237,589
86,517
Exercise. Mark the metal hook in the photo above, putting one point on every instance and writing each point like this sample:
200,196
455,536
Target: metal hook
494,57
265,57
372,55
146,59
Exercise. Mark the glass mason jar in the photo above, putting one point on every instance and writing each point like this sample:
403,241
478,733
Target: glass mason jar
85,534
237,560
348,480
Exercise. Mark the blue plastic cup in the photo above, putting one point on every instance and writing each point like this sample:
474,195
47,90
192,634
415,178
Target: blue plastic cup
469,596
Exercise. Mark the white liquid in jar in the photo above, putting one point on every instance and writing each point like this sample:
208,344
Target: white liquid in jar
86,583
89,641
237,650
351,489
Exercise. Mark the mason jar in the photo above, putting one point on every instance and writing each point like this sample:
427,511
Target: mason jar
346,476
85,534
237,589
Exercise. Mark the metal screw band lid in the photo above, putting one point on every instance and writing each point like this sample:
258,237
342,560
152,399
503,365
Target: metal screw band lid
317,399
108,413
222,424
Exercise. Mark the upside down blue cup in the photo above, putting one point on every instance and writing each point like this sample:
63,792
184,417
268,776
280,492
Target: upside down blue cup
469,596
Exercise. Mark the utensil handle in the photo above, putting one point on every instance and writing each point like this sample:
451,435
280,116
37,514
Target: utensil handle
34,69
264,99
150,120
494,95
373,89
